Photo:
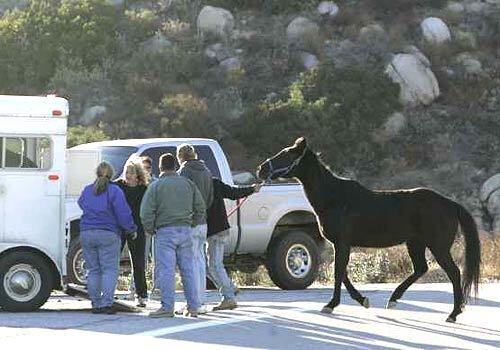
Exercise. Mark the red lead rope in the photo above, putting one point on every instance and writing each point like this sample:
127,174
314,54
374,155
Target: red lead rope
238,205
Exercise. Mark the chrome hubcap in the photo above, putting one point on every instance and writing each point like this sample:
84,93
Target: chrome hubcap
298,261
79,267
22,282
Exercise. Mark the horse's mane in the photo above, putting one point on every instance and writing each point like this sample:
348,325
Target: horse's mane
345,187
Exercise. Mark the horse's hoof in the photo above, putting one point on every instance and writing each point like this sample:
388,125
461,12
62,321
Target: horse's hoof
326,310
391,304
366,302
451,319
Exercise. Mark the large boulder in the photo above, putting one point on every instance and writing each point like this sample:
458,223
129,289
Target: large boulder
328,8
300,32
418,83
435,30
490,197
216,21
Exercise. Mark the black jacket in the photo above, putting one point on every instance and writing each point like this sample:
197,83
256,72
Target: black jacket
134,198
216,214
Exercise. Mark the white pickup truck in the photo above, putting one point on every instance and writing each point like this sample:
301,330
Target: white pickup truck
40,181
275,226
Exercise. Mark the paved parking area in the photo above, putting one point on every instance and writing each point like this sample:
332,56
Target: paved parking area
271,319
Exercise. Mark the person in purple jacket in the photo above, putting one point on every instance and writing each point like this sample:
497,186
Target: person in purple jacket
106,215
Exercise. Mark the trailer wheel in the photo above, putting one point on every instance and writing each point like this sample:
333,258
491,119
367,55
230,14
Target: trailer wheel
293,260
76,263
26,281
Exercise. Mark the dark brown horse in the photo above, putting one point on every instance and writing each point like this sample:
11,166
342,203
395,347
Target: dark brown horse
350,215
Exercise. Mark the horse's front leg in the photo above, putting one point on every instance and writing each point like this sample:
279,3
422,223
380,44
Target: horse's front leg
342,252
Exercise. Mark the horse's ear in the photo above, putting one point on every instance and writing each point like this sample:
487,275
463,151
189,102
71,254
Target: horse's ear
301,142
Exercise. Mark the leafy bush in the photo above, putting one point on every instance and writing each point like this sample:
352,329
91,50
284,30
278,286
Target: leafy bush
78,135
33,39
336,109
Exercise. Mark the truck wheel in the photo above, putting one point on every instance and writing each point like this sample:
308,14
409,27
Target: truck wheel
293,260
76,263
26,281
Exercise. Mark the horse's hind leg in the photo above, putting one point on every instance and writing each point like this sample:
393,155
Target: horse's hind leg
444,259
355,294
416,250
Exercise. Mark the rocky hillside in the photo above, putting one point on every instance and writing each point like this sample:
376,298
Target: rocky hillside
393,93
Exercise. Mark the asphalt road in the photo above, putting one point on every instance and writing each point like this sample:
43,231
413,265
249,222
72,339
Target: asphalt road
269,319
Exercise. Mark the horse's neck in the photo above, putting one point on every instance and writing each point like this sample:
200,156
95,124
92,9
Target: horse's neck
322,188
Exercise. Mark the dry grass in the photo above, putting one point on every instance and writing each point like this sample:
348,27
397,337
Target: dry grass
394,265
370,266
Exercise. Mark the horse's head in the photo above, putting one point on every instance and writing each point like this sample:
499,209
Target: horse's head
284,163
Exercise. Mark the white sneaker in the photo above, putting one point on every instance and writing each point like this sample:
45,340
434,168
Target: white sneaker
203,309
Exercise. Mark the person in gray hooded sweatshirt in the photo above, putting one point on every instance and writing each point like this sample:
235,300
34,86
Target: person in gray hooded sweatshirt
196,170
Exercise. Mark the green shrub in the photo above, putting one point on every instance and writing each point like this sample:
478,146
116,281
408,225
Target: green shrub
78,135
336,109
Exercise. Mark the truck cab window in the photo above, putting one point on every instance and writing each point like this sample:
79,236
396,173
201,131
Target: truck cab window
117,156
26,152
155,153
205,153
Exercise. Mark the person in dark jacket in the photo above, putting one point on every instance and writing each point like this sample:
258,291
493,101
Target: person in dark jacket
196,170
106,215
134,186
218,232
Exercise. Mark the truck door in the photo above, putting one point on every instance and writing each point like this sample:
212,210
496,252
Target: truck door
30,192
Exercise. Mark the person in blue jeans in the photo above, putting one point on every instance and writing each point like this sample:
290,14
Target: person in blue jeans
196,171
171,207
218,232
106,215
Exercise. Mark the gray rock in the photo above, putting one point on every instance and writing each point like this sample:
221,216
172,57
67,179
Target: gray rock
217,52
216,21
490,197
92,114
301,31
308,60
455,7
418,83
395,124
471,65
489,186
476,7
328,8
372,31
435,30
391,128
231,64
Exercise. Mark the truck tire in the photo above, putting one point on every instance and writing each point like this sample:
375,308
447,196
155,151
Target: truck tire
75,263
293,260
26,281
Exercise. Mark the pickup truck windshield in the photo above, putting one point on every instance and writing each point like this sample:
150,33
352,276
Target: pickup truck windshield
117,156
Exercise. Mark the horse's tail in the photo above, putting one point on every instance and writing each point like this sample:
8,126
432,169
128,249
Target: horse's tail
472,252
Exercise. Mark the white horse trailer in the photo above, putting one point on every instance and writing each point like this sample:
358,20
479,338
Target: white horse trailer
32,199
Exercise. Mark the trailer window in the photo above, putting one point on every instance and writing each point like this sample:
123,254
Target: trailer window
26,152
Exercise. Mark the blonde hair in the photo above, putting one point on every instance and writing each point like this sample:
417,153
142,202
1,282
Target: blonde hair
104,173
137,169
185,152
